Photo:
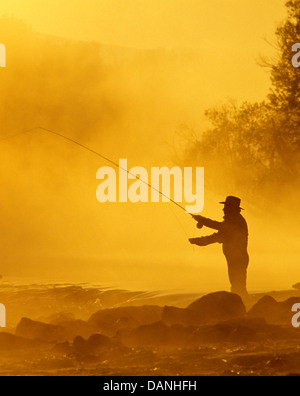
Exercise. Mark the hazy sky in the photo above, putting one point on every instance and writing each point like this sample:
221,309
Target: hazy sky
227,36
155,23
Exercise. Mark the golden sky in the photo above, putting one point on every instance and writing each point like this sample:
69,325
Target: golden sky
215,24
228,36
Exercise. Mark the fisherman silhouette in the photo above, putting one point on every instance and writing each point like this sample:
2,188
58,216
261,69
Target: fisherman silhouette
233,234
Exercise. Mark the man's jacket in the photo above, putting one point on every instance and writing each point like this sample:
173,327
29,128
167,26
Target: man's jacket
232,233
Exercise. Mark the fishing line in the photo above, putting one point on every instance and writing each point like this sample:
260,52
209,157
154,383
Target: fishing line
18,134
99,155
178,221
60,135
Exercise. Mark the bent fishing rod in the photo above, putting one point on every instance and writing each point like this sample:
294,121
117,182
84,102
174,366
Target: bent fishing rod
60,135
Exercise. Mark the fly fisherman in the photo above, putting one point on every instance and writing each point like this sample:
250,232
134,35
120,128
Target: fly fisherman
233,234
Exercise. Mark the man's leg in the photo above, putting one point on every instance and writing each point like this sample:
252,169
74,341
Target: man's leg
237,272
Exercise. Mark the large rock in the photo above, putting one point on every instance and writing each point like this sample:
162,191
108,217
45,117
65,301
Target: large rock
31,329
154,335
94,345
296,286
78,328
223,332
242,331
210,309
274,312
161,335
219,306
10,342
174,315
109,321
98,342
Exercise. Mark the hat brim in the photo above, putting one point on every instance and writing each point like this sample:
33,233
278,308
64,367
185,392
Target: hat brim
223,203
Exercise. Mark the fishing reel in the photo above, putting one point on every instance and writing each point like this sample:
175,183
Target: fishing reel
199,221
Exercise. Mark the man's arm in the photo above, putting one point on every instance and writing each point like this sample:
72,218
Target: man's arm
204,221
205,241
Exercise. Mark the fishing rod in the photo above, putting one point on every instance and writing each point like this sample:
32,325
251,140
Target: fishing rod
99,155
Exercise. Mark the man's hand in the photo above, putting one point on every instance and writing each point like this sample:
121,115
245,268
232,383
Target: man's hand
199,219
207,240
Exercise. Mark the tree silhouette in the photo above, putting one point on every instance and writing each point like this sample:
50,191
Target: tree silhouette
254,148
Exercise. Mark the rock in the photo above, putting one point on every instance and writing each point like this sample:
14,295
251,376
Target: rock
296,286
156,334
223,332
266,307
64,331
7,341
78,328
210,309
159,335
80,345
10,342
274,312
109,321
98,342
95,344
219,306
31,329
173,315
62,347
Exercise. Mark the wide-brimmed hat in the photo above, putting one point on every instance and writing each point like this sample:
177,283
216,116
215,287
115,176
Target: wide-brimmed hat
232,202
